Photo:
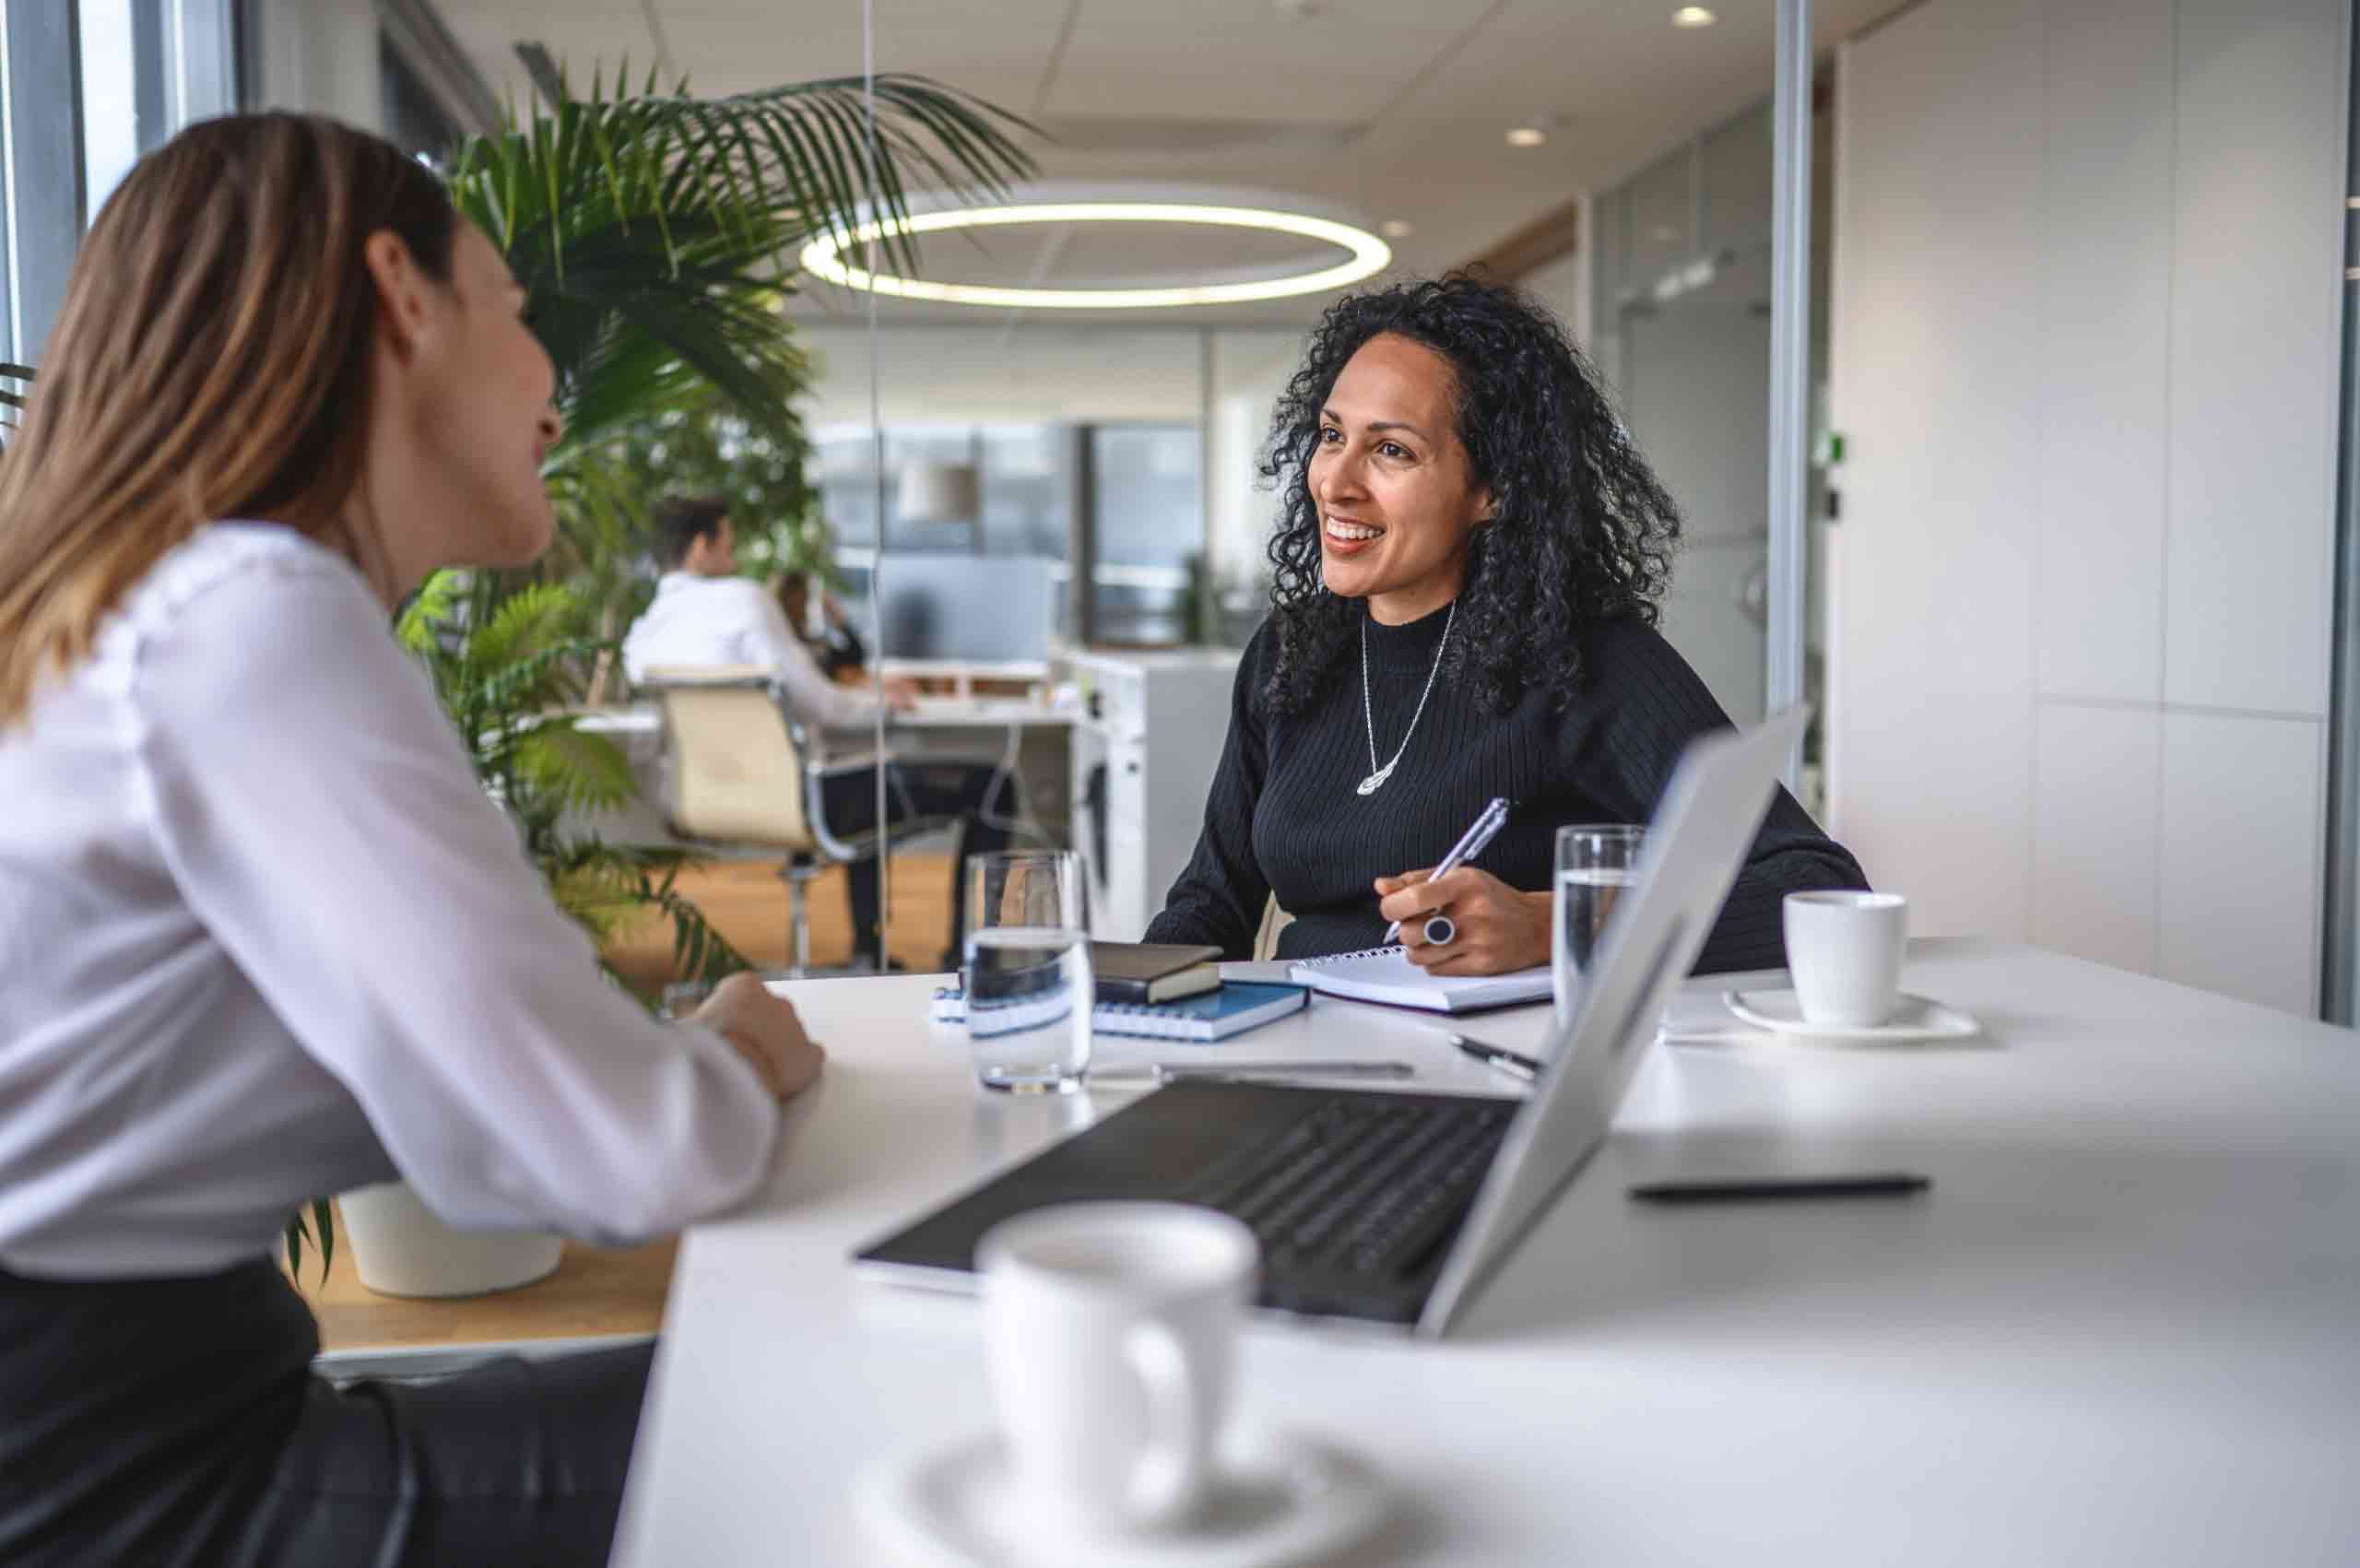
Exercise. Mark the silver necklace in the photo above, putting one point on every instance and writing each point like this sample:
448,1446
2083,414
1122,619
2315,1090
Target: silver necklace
1376,775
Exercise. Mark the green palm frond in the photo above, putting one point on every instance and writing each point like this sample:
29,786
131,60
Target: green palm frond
319,1226
597,895
429,610
505,696
600,884
527,623
581,772
698,950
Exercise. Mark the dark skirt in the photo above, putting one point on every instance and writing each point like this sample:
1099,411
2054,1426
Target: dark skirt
178,1421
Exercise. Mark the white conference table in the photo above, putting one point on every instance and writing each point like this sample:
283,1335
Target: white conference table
2124,1327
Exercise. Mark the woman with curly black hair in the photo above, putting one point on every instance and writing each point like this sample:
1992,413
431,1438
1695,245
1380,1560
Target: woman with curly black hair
1469,556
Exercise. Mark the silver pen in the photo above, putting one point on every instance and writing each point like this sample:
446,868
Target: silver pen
1237,1072
1470,844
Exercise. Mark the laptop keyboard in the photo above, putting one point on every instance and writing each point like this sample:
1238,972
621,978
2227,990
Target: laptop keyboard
1357,1184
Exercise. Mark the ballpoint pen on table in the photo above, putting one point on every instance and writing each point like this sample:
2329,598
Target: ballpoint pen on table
1516,1064
1470,844
1756,1190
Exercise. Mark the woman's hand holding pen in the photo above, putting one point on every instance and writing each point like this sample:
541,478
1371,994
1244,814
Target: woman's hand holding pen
1499,928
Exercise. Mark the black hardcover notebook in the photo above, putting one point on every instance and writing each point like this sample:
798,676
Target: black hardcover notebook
1144,972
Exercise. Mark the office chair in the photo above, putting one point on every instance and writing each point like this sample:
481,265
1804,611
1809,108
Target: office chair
745,774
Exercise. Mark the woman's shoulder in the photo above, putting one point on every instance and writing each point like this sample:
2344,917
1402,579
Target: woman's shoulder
1628,659
1625,648
245,611
222,552
284,569
1627,639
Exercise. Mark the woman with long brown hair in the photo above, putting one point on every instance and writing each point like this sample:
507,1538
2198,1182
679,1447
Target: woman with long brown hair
262,935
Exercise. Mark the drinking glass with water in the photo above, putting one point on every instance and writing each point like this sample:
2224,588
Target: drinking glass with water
1027,971
1595,863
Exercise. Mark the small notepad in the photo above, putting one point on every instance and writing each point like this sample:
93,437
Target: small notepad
1385,974
1213,1015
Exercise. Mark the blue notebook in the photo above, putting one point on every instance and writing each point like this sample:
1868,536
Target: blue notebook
1238,1006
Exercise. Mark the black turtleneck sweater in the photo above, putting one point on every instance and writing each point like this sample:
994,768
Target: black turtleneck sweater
1283,816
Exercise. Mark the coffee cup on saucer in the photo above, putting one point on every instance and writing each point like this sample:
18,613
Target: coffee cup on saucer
1844,950
1110,1331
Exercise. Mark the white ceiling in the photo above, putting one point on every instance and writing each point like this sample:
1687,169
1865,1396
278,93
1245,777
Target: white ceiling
1395,109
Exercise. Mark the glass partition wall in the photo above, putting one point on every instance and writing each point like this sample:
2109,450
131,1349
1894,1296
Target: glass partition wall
1682,309
1131,450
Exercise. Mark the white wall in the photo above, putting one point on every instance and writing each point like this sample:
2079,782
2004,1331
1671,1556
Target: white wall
1564,285
2086,309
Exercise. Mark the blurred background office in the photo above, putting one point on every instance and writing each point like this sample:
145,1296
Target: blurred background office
2076,529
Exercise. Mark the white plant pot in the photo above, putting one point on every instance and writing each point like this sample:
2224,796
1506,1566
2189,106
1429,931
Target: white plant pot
401,1249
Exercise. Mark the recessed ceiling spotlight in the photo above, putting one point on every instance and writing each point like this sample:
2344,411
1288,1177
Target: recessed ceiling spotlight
1396,228
1693,16
1527,136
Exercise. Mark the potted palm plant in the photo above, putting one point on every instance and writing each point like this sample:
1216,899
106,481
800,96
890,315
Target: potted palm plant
656,235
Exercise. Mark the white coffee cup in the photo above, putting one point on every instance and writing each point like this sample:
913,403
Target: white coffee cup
1845,951
1109,1335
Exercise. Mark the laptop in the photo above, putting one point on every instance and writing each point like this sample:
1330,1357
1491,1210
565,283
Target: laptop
1390,1207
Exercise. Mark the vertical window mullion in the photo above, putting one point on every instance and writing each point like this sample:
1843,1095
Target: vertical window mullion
44,147
9,332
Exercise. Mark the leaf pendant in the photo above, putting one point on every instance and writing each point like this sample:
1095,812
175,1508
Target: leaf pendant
1375,781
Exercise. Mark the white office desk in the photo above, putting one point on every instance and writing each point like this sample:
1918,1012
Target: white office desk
962,674
2124,1327
981,713
929,713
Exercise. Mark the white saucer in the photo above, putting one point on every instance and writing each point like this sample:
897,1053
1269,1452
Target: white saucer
1915,1018
1283,1497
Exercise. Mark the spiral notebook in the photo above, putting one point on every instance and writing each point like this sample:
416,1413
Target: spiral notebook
1384,974
1213,1014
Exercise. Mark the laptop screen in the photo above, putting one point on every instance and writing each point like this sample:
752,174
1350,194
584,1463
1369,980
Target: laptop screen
1696,847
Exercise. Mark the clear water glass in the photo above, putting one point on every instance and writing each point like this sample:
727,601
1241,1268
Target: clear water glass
1027,971
1596,862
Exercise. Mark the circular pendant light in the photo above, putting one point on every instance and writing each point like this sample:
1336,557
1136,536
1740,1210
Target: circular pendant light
823,258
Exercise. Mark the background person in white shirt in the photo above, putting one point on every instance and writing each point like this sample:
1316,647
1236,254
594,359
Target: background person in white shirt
262,938
706,615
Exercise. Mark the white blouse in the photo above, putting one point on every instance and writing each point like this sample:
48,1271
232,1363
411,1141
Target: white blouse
707,622
262,938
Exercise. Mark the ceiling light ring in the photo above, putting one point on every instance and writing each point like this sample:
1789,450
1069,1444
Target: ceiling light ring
1368,255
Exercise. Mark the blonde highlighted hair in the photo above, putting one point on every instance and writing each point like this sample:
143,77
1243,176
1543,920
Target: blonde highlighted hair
212,360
